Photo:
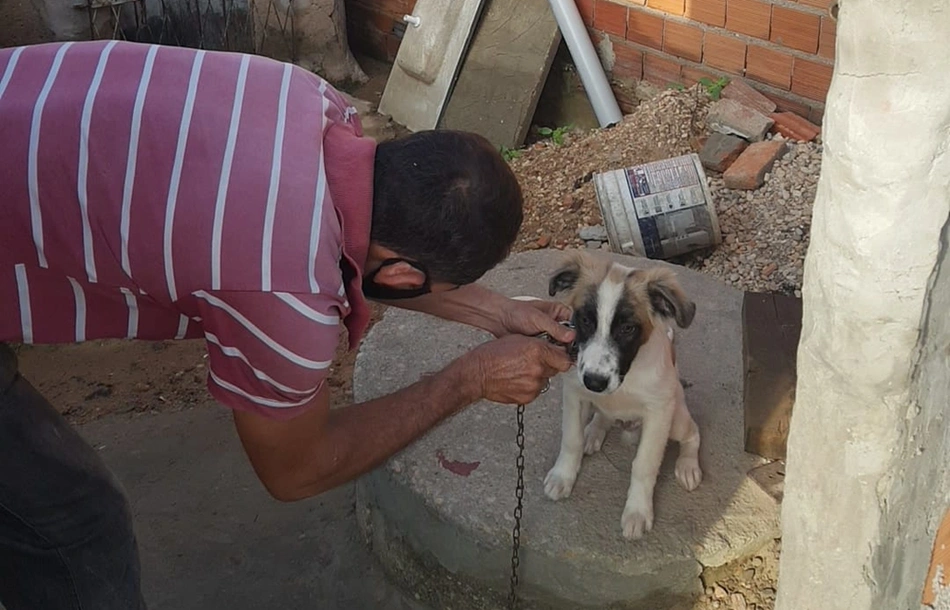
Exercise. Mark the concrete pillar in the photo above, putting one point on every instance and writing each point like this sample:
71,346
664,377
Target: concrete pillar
867,474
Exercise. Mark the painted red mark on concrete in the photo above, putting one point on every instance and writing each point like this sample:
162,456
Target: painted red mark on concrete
460,468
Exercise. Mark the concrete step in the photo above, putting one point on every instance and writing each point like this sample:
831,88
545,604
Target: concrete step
439,514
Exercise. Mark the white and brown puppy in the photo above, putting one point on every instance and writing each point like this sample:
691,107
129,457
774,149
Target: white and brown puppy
626,371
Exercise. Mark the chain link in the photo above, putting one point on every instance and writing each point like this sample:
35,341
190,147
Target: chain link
516,532
519,487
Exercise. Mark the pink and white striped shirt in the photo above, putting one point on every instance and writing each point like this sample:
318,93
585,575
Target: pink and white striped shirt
156,192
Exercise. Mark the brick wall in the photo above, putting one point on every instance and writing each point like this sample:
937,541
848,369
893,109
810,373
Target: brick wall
784,48
375,27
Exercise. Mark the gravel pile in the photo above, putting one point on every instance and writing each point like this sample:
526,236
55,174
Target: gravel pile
765,232
556,179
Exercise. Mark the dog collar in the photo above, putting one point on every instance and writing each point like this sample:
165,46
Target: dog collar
570,347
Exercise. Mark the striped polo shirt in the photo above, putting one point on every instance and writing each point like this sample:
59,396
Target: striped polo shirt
157,192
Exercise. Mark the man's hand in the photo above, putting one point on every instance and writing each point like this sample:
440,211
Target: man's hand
515,369
536,317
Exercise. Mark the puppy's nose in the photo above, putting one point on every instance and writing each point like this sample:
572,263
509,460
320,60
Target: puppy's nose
595,383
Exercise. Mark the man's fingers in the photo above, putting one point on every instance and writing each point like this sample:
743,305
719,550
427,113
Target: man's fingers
562,313
556,358
555,329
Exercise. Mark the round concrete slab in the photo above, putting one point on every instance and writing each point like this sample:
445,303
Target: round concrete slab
439,514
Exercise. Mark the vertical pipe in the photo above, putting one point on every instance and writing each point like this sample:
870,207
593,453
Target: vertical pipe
588,63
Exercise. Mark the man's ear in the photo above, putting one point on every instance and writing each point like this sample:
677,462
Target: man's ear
668,299
400,276
564,278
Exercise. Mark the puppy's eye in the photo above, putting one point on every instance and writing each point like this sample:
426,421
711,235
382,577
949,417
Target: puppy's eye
628,329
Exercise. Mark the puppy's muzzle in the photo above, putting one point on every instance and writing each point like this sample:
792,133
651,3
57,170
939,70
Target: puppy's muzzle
595,383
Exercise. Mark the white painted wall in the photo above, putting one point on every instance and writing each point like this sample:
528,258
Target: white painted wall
867,476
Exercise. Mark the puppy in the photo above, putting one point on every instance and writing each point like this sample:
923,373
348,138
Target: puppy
626,371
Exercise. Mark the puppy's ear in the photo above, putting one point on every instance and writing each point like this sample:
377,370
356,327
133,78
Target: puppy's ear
668,299
564,278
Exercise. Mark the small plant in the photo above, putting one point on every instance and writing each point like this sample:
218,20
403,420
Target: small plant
677,86
556,135
509,154
714,87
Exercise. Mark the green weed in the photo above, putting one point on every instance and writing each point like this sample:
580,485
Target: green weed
714,87
556,135
510,154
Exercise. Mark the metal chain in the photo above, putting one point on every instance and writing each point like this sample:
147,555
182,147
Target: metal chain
516,532
519,486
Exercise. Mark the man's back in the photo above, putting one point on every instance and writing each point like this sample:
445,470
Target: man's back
159,192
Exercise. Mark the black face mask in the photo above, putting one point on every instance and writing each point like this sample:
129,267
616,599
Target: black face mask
372,290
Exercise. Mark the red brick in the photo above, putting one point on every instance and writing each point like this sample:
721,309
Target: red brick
720,151
732,118
794,127
740,91
691,76
795,29
383,23
360,17
784,104
683,40
822,4
626,95
628,61
811,79
724,52
645,28
596,36
660,71
710,12
748,171
749,17
392,46
586,9
768,66
611,18
827,38
674,7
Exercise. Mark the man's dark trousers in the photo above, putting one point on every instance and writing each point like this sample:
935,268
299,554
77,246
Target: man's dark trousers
66,535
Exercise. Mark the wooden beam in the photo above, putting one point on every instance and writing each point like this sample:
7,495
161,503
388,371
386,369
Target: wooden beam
771,327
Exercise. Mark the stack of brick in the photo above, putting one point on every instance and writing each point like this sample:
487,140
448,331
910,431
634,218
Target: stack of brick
739,146
784,48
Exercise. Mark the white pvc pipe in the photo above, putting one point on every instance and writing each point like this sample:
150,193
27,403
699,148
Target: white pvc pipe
588,63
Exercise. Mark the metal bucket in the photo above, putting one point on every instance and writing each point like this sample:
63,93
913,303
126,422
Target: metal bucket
658,210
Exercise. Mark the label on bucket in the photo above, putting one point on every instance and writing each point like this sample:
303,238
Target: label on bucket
658,210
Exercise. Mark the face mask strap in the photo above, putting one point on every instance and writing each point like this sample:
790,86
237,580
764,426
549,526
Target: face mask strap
373,290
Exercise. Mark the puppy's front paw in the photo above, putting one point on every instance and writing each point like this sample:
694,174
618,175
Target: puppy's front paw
593,438
688,473
637,518
558,484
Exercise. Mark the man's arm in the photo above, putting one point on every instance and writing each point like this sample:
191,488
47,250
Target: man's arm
324,448
478,306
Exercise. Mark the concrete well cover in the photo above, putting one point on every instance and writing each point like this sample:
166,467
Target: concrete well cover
439,514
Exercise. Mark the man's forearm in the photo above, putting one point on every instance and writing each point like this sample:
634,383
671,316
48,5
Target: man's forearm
358,438
472,304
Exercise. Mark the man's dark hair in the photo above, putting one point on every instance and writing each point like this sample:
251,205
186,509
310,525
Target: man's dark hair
448,200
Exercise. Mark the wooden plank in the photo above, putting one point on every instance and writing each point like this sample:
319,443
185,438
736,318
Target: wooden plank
771,327
504,71
771,478
940,556
428,61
